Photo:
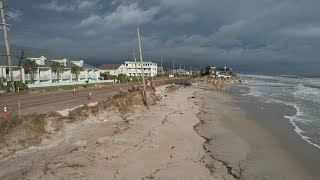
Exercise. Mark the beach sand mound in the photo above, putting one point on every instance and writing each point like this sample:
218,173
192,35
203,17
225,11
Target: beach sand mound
172,88
17,133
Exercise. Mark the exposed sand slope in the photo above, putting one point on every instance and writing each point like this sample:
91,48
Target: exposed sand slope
160,143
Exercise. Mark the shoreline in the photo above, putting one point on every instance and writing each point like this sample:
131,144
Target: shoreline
273,117
247,147
290,118
299,92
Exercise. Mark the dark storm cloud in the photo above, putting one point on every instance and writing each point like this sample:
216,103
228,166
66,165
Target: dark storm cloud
245,33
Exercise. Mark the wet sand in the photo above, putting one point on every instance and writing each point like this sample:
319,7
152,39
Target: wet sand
270,115
244,147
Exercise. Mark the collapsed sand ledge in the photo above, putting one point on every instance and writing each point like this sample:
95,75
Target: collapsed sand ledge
19,133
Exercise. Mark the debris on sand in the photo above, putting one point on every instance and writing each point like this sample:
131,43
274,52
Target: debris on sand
183,82
133,88
172,88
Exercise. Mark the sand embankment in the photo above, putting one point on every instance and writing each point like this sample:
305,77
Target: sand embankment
159,143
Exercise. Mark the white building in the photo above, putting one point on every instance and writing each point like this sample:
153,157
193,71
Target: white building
130,69
113,69
220,72
43,73
149,69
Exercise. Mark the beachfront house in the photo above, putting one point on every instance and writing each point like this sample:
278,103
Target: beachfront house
45,76
113,69
220,72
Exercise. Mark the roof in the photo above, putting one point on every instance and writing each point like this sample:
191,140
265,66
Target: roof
88,66
110,66
16,52
144,62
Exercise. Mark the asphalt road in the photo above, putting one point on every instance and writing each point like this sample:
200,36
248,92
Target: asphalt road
55,101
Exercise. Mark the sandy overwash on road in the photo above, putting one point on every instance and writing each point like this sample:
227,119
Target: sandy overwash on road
158,143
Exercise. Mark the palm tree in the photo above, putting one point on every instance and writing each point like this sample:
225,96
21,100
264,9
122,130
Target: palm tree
76,70
30,65
57,67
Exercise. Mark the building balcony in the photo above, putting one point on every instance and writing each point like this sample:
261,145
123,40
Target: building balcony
66,77
17,78
27,77
82,76
45,77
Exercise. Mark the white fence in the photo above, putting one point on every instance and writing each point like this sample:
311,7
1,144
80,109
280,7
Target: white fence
67,83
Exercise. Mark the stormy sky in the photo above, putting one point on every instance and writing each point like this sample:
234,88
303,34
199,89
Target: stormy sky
271,36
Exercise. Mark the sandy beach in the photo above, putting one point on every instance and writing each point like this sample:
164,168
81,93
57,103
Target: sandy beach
191,133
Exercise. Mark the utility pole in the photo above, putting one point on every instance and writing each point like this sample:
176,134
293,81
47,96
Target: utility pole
5,32
19,65
161,69
135,62
141,61
173,67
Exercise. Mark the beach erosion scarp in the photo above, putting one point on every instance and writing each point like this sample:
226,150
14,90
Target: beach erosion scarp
158,143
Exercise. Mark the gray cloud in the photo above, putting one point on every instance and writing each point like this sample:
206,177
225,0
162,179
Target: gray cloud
71,5
246,33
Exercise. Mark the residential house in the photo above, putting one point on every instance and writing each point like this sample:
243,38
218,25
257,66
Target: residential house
43,73
221,72
113,69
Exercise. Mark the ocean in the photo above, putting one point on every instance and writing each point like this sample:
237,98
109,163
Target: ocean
302,93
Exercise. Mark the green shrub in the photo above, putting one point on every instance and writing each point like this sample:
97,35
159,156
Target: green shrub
22,86
123,78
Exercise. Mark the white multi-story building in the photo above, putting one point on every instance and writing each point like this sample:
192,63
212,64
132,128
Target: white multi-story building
134,69
130,69
43,73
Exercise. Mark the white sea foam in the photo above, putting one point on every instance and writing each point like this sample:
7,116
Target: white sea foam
293,92
300,131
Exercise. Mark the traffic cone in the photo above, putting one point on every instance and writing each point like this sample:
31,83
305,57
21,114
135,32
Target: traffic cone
5,112
90,96
120,91
74,91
